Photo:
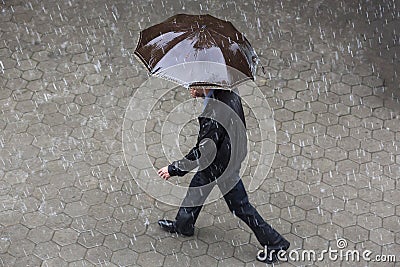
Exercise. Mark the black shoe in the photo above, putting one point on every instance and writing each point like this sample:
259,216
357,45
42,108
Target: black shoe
170,226
273,251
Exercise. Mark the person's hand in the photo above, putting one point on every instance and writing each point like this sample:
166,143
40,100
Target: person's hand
193,93
197,92
163,173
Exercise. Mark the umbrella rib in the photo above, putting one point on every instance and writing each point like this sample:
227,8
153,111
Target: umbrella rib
189,34
248,63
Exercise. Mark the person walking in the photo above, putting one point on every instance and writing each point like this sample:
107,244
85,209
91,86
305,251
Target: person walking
221,147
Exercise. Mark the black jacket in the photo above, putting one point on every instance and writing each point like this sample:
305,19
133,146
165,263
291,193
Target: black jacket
217,152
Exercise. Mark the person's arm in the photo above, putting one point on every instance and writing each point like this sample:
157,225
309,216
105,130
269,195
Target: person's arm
210,136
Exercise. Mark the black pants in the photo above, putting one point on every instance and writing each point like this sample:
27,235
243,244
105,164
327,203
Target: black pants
238,204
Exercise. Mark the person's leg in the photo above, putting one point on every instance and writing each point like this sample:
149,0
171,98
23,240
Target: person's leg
240,206
192,203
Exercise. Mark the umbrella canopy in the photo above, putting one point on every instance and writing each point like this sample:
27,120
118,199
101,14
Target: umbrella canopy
197,49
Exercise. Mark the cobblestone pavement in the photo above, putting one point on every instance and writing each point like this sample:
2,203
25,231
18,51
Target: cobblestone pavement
67,74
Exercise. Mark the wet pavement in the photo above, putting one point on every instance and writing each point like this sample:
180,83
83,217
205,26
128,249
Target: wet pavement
67,75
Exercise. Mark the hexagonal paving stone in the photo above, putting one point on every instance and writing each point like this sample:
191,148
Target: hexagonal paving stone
76,209
126,213
142,243
318,217
382,209
355,233
293,214
299,163
124,257
383,158
118,198
98,254
150,258
220,250
21,248
168,245
108,226
281,225
370,194
391,223
210,234
285,174
345,192
372,101
361,111
73,252
339,109
8,218
194,248
347,167
309,176
101,211
117,241
177,259
307,202
302,139
33,219
391,197
40,234
91,239
289,150
361,90
237,237
351,79
70,194
360,156
205,219
267,210
282,199
29,260
369,221
304,229
349,143
315,243
330,231
325,141
323,165
335,154
371,169
344,218
65,236
295,105
57,261
245,253
382,236
340,88
59,221
383,135
297,85
305,117
133,227
283,115
332,204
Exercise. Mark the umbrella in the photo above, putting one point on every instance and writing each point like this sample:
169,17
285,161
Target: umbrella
197,49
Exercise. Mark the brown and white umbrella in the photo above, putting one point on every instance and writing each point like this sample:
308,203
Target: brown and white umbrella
197,49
